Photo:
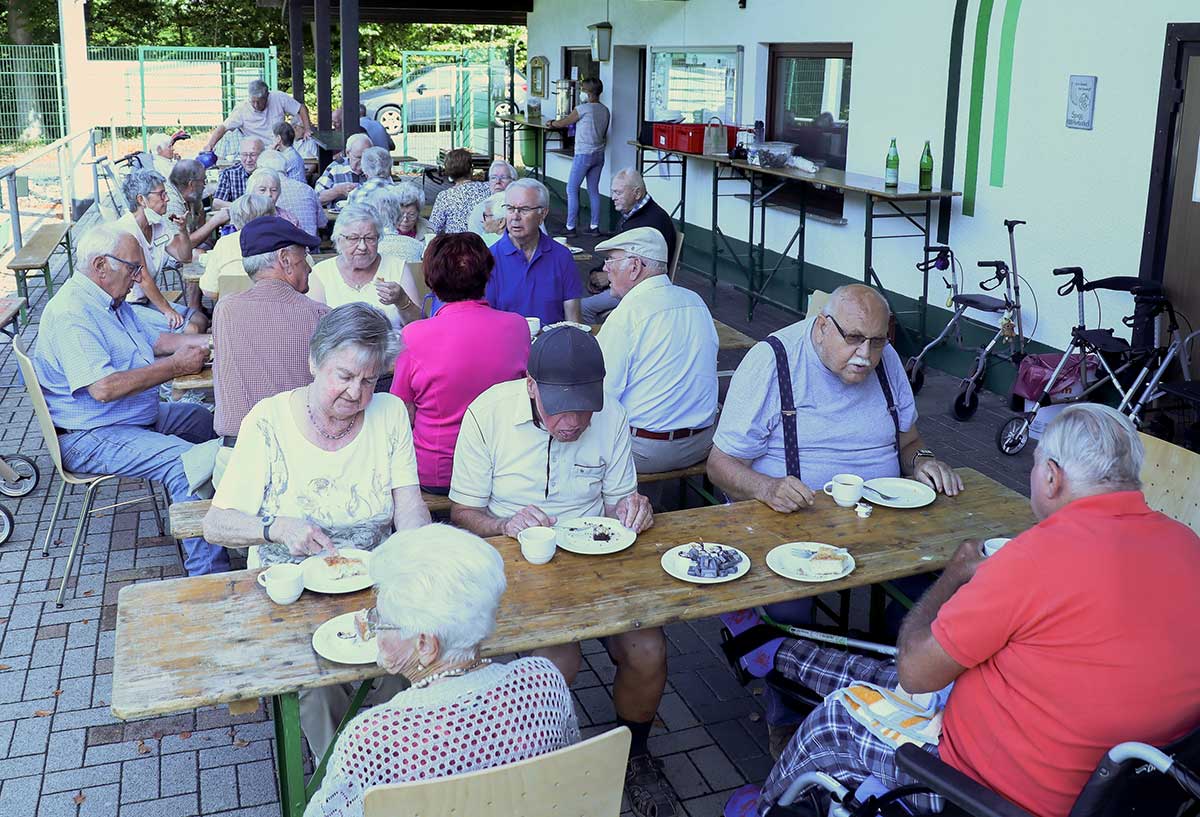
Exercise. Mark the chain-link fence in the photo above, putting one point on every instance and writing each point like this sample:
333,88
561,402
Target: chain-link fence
31,108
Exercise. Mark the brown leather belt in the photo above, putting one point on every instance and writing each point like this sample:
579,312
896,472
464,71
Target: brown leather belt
678,434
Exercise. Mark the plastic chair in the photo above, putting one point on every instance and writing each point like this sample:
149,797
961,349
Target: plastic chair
93,481
233,283
1167,475
585,779
413,280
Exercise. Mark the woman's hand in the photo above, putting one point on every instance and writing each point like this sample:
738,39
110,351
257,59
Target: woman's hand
174,319
392,294
301,537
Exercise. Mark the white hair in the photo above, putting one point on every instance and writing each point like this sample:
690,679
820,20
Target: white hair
357,139
353,215
359,325
377,163
631,177
848,291
257,89
100,240
492,202
254,264
440,581
409,194
252,140
159,141
1096,446
248,207
529,184
272,160
140,182
262,173
500,164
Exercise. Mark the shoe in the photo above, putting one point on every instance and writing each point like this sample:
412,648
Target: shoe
594,231
649,793
778,737
570,232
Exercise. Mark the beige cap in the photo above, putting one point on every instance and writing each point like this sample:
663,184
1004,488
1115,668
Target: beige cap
644,241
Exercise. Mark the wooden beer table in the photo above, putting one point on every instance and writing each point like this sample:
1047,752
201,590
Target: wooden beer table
218,639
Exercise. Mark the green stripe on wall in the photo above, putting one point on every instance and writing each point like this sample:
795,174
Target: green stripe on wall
1008,38
950,132
978,70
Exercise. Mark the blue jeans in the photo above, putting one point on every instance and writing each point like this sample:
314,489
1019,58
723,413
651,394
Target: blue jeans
151,453
584,165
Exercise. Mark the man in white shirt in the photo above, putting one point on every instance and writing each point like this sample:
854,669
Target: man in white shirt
258,115
164,154
660,355
550,447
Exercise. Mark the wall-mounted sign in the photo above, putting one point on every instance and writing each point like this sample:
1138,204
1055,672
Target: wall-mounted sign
1081,101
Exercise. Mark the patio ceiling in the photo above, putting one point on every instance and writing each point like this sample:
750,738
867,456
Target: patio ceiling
501,12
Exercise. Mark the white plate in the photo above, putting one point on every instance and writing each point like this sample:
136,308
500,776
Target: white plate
789,560
676,564
343,650
908,493
319,577
575,250
582,542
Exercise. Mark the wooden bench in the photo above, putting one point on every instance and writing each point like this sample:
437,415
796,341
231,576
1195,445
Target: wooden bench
10,308
187,518
35,255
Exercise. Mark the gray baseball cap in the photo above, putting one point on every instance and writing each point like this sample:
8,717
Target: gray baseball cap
568,367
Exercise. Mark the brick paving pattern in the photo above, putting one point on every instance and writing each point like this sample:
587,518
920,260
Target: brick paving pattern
62,754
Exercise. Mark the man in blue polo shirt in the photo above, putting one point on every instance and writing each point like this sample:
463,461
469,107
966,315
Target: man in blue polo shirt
534,275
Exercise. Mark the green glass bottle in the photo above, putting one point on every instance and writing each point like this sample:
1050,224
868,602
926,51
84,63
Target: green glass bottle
891,175
926,168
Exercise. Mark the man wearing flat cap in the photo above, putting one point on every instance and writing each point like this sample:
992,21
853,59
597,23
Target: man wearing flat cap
550,447
660,356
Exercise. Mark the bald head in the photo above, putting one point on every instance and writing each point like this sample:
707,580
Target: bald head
628,188
850,334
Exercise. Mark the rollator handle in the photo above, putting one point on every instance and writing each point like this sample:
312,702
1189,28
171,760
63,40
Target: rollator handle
996,265
1069,271
1012,222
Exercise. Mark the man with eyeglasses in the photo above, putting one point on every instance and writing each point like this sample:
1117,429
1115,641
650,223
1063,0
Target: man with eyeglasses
824,396
342,177
232,182
100,368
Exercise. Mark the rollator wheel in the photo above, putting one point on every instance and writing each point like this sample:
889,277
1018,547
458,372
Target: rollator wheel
967,403
6,524
916,374
27,476
1012,436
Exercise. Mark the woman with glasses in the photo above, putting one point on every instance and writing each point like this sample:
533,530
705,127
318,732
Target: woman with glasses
436,595
158,237
361,274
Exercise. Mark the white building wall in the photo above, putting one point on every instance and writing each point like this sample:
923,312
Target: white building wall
1082,192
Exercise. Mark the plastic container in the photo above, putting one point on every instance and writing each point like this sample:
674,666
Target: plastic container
688,139
771,154
664,136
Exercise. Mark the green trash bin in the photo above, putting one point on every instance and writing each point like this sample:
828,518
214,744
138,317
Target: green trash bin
528,140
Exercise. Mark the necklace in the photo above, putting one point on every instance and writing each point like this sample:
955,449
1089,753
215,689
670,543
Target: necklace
321,431
450,673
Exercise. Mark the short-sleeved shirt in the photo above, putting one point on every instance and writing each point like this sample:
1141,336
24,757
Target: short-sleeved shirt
293,164
841,428
363,193
338,292
535,288
660,357
338,173
262,123
276,471
452,207
399,246
504,460
154,249
301,201
83,338
270,322
1078,635
378,133
592,128
430,374
231,184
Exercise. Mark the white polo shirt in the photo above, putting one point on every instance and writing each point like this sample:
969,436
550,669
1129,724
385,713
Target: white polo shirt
504,461
660,357
261,123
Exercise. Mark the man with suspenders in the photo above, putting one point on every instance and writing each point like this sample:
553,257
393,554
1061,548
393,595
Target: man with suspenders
824,396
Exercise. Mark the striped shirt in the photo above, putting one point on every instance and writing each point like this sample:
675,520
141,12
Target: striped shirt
338,173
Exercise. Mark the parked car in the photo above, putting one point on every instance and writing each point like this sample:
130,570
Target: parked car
431,95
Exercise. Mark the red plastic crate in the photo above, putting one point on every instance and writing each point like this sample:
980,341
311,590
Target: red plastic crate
664,136
690,138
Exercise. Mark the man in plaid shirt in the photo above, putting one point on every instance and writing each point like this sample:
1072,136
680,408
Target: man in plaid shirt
340,178
232,183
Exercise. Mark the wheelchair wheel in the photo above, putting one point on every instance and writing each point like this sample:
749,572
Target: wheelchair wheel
916,374
27,476
6,524
1012,436
966,403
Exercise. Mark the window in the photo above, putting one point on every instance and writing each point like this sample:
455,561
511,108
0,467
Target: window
580,58
694,85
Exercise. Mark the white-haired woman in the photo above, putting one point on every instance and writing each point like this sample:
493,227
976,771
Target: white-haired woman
500,175
410,223
393,208
454,204
266,182
491,219
226,255
360,274
377,167
437,592
146,194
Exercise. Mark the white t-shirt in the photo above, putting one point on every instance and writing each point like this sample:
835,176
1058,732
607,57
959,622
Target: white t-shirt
155,249
260,123
338,292
276,471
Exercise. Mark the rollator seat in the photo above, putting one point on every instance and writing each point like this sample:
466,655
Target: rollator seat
1102,340
984,303
1188,390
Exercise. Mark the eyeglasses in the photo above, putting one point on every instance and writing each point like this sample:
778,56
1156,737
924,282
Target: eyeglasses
611,260
854,339
162,194
500,178
360,239
374,625
522,211
133,268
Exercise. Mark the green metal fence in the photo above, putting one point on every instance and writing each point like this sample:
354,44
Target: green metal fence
31,108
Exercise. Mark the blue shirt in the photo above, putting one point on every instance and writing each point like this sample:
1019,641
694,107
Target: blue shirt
83,339
534,288
294,164
379,136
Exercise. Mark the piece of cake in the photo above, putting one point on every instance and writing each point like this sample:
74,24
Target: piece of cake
826,562
344,567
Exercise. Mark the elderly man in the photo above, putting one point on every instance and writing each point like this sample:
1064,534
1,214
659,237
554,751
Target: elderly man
293,162
261,335
232,182
534,276
100,369
379,135
260,113
1049,666
824,396
295,197
163,153
185,208
660,356
557,422
637,209
341,178
377,167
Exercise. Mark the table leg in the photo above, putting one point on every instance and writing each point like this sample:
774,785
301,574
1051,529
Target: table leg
716,170
289,754
683,193
801,289
355,704
868,230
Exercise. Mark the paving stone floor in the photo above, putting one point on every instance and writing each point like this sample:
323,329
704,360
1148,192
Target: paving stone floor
62,754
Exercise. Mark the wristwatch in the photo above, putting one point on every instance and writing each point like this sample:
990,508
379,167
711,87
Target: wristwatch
267,522
924,452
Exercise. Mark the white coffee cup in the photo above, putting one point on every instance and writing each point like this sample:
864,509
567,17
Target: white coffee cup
284,582
535,326
846,489
990,546
537,544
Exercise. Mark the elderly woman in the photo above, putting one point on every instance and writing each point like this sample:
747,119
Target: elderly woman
360,274
453,206
325,466
492,215
436,594
430,377
266,182
390,204
226,255
377,167
157,237
296,197
410,224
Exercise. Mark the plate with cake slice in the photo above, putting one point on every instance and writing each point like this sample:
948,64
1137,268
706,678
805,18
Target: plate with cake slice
593,535
346,640
810,562
346,572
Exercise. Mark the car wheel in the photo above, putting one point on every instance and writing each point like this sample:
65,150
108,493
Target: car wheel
392,119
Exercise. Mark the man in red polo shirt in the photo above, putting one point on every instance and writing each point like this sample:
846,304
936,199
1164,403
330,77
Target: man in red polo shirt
1079,634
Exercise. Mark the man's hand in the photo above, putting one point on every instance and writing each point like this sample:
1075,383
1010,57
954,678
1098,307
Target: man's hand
635,512
302,538
392,294
189,359
938,475
965,561
528,517
787,495
174,319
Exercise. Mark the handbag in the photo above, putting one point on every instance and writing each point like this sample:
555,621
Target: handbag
716,139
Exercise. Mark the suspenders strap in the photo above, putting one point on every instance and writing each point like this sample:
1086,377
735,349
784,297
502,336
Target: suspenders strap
881,373
787,407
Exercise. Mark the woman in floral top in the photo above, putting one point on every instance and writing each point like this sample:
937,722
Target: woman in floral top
453,206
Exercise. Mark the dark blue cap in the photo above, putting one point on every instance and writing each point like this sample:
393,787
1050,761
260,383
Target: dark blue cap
270,233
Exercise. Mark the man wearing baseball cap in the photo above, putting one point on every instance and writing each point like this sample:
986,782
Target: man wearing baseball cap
660,356
550,447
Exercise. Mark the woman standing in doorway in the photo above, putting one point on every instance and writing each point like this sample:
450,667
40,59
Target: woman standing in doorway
590,118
